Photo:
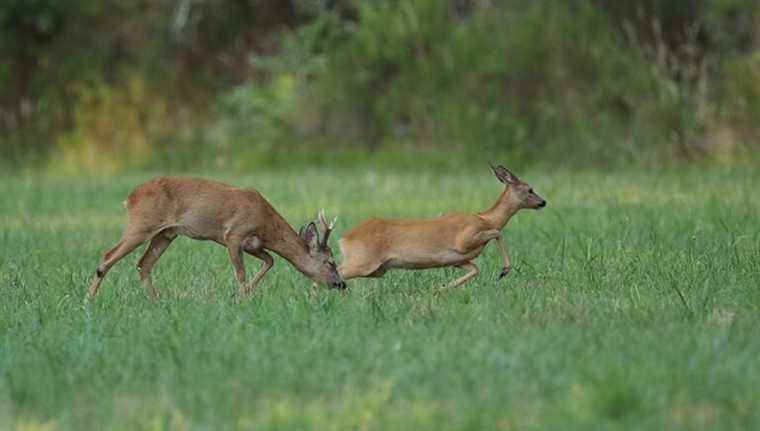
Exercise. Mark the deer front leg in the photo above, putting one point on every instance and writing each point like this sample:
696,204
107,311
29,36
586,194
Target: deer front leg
465,278
267,263
487,235
236,257
507,266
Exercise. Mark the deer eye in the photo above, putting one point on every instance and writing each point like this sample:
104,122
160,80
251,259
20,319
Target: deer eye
530,191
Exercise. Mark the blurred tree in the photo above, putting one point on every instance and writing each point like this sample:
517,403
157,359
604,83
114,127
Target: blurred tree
372,72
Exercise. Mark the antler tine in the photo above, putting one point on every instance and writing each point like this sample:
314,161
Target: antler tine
326,227
321,219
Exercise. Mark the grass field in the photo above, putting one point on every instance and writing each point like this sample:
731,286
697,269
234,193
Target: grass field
634,303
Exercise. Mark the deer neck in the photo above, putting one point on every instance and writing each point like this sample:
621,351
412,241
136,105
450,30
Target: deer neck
501,211
291,247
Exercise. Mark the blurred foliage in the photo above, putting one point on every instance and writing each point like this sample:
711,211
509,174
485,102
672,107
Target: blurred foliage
232,84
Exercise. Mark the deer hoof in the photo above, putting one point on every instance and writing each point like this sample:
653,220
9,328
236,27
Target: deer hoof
504,272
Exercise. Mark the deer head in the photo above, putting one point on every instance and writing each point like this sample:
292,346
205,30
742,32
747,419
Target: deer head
522,194
319,250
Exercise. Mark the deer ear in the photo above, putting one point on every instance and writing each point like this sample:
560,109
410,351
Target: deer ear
310,235
504,175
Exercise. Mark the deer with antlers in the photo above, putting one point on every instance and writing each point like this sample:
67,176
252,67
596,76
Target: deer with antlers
377,245
241,220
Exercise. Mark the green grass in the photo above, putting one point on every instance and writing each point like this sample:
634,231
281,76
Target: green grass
633,304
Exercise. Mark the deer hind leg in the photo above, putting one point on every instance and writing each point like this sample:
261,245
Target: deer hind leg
379,272
267,263
153,252
473,271
128,242
349,269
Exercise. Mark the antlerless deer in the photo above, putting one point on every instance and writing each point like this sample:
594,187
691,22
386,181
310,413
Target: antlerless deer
377,245
239,219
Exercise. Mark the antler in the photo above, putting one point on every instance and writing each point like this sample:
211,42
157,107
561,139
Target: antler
326,227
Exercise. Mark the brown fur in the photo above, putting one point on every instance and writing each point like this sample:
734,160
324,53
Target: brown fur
239,219
377,245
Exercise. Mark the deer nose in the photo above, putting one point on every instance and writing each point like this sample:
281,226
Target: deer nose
542,204
339,285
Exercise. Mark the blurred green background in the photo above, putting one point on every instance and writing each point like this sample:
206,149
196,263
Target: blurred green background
114,85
